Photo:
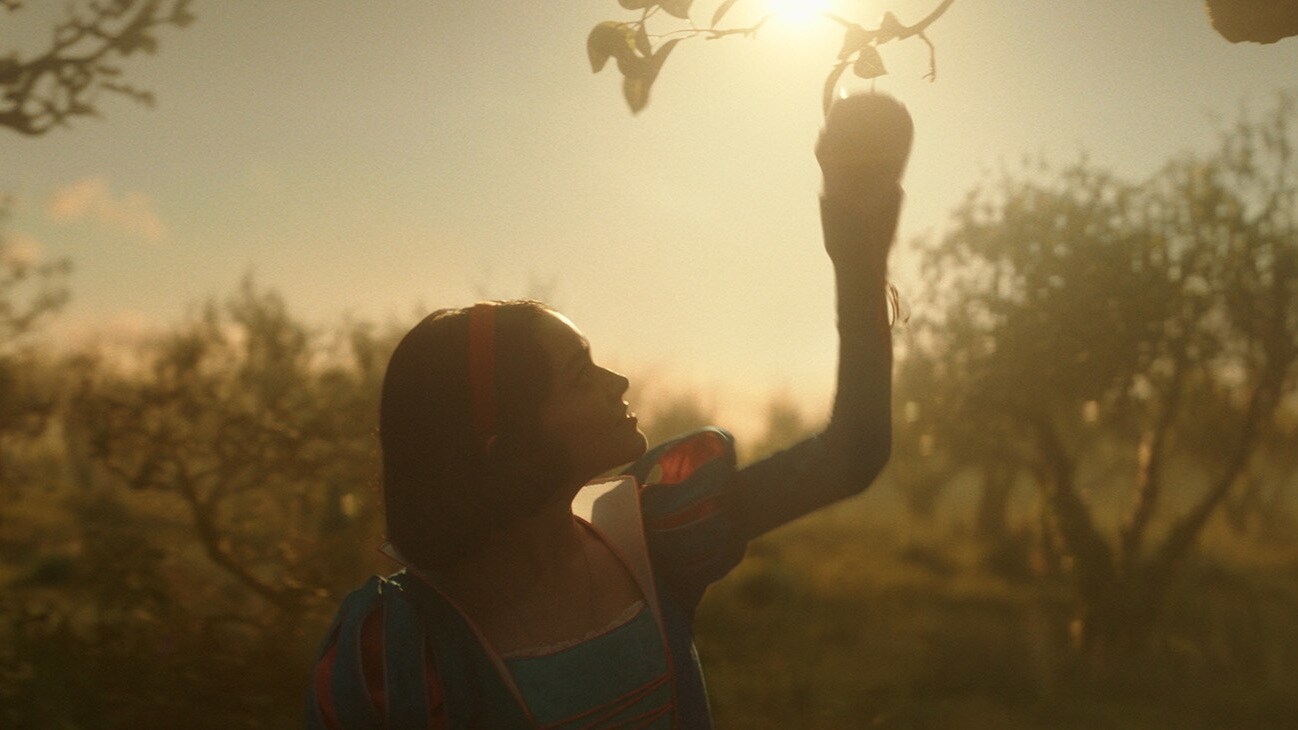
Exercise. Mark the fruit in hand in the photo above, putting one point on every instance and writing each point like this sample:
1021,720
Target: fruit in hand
867,133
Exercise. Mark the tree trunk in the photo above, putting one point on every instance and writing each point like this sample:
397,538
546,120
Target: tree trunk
992,520
1118,620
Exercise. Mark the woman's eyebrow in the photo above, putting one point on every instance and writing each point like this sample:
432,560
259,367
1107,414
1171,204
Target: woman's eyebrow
580,356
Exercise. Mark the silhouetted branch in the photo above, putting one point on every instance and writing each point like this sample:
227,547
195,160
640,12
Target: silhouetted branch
639,63
83,58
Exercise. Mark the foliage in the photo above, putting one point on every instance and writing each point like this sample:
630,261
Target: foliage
31,291
1079,312
206,505
630,44
83,58
263,438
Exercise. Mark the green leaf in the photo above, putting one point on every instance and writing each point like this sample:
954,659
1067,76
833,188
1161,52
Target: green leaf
636,90
678,8
854,39
641,74
642,41
890,28
869,64
722,9
609,39
635,4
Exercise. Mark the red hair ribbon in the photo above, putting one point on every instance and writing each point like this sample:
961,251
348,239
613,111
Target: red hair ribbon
482,372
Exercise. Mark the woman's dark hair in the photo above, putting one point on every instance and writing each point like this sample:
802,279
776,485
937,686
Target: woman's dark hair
443,491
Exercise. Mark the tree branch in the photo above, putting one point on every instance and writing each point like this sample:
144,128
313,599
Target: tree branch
1091,554
44,92
1153,455
1186,530
217,548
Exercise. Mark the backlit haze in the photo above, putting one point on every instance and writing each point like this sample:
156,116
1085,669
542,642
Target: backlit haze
372,159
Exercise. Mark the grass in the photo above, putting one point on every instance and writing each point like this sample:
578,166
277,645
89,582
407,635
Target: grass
847,620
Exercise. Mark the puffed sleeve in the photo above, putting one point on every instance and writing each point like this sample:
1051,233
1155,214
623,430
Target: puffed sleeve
373,670
690,532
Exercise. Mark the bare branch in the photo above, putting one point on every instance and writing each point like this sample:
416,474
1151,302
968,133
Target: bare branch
217,549
932,58
49,90
857,41
921,26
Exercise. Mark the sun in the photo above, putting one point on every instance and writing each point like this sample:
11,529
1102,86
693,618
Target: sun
797,12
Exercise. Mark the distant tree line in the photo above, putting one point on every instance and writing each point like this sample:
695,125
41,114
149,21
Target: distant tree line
179,517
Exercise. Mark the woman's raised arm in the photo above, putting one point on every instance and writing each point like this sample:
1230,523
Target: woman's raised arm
862,153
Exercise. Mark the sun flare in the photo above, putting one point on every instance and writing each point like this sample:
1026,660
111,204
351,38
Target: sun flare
797,12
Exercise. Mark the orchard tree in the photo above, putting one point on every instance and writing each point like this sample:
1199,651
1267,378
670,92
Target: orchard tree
260,435
217,479
939,443
923,466
1099,329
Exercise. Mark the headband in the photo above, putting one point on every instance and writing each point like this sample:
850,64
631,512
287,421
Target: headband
482,373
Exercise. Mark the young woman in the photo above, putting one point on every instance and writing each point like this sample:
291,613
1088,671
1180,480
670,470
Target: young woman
531,598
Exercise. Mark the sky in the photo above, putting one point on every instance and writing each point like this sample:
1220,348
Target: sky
372,160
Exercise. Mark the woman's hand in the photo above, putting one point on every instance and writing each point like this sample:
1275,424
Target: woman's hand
866,140
862,153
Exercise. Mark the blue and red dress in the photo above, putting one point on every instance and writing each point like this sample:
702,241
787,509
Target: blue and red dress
401,654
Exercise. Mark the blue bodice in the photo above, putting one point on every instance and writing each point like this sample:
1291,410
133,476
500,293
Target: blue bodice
619,678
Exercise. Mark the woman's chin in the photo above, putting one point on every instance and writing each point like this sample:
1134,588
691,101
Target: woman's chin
640,444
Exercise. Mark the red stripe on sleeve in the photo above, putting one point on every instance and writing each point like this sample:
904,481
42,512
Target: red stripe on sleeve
324,695
372,661
685,515
437,719
681,460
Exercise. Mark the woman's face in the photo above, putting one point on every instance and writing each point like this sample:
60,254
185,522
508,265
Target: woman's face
584,414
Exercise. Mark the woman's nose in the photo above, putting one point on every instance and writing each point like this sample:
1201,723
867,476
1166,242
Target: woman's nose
618,382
